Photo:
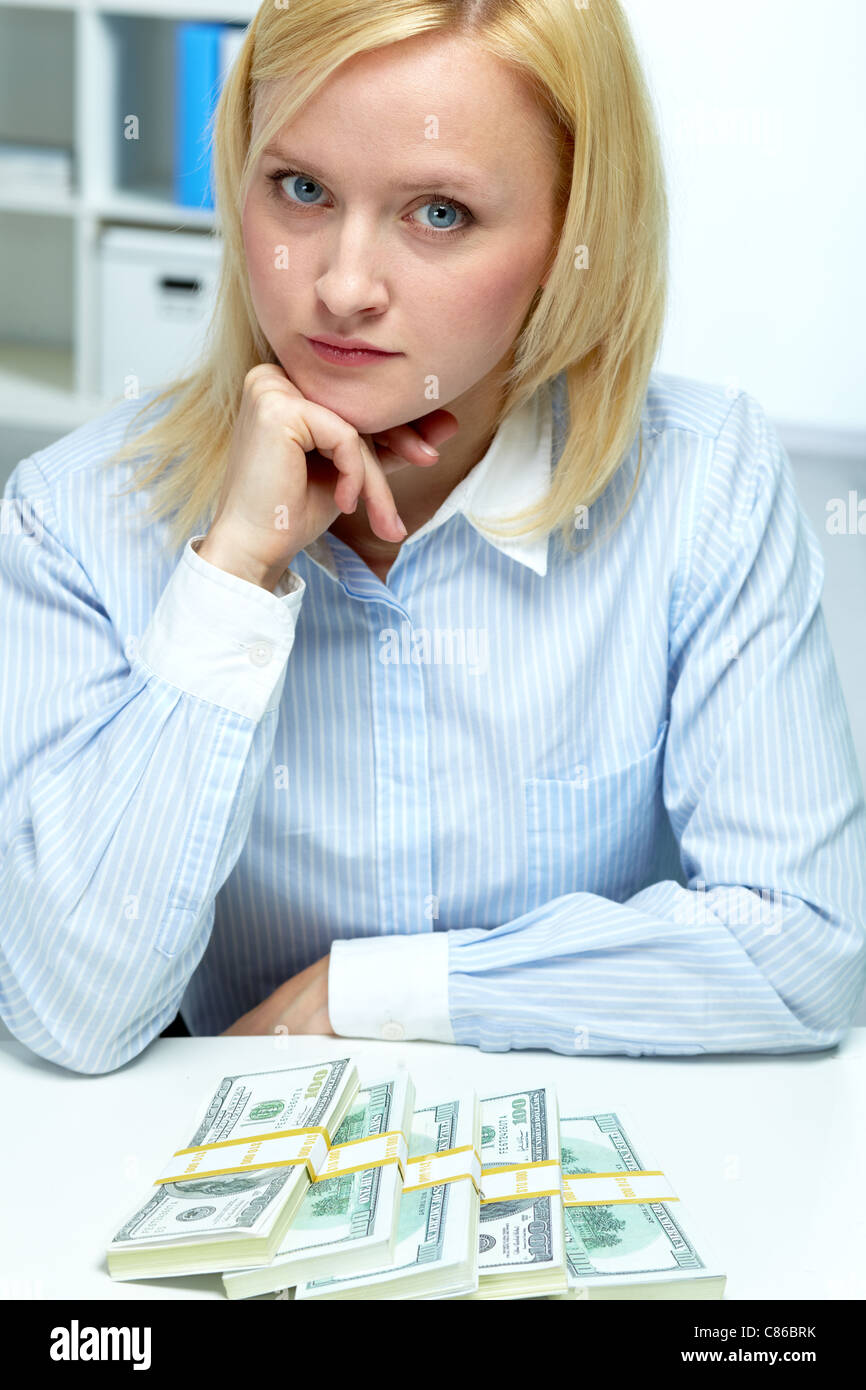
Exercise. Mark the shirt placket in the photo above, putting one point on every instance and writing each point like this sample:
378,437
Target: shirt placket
404,851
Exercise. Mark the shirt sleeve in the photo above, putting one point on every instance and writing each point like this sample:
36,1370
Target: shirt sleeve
221,638
128,777
764,950
391,987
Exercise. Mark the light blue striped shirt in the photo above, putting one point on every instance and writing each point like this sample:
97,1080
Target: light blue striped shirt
604,802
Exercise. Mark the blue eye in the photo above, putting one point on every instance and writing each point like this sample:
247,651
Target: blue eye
438,201
282,174
435,200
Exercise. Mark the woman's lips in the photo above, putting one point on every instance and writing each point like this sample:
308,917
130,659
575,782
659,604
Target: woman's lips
352,357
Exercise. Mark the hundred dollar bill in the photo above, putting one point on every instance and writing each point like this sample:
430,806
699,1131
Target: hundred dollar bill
436,1251
521,1242
348,1223
628,1249
213,1222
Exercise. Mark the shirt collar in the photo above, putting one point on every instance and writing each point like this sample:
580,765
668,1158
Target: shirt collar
514,473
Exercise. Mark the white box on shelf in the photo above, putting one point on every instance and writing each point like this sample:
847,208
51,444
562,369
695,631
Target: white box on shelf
28,168
157,293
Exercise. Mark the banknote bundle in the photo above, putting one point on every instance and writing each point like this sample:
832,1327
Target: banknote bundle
226,1199
436,1248
626,1235
348,1218
521,1235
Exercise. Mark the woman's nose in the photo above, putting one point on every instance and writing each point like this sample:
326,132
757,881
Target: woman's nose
351,281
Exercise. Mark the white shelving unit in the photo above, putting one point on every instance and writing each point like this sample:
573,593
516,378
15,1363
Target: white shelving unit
70,71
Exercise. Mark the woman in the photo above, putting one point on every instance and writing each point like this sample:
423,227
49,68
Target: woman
298,771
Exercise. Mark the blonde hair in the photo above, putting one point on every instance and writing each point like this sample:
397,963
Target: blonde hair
599,321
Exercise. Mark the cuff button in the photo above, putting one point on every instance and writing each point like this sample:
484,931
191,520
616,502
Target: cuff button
261,653
393,1032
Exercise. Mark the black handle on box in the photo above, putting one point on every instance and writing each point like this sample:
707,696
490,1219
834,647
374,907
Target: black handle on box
169,282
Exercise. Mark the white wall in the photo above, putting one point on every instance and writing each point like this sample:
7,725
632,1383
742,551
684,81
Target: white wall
762,107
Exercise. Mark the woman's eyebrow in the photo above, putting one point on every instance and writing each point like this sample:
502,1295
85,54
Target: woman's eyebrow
469,180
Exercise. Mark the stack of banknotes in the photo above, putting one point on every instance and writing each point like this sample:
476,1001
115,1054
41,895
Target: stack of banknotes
316,1182
226,1198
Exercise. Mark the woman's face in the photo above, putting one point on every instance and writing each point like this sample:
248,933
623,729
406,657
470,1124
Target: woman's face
359,242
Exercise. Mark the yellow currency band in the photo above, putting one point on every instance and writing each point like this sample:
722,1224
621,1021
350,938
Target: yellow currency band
314,1130
444,1153
372,1163
257,1139
521,1168
518,1167
570,1201
365,1139
227,1172
451,1177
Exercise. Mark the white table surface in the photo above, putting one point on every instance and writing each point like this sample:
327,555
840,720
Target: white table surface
763,1151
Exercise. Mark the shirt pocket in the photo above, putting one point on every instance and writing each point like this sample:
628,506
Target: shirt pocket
595,834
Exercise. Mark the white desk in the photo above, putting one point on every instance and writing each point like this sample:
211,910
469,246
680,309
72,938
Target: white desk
764,1151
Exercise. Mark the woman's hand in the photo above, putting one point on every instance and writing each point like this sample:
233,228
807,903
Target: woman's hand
294,466
300,1005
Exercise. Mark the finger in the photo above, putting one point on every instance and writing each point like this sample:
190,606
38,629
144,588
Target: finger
390,462
299,1018
408,440
381,508
268,377
322,1022
436,427
330,435
406,443
318,1022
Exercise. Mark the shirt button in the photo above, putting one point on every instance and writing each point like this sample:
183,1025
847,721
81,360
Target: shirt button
393,1032
261,653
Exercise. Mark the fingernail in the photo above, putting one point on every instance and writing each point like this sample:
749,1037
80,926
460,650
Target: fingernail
426,449
403,531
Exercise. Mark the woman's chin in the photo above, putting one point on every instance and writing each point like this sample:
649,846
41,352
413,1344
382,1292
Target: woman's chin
350,398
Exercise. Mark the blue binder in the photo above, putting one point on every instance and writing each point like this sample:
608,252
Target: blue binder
197,90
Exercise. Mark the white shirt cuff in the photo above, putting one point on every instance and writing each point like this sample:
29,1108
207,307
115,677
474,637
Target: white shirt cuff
391,987
221,637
